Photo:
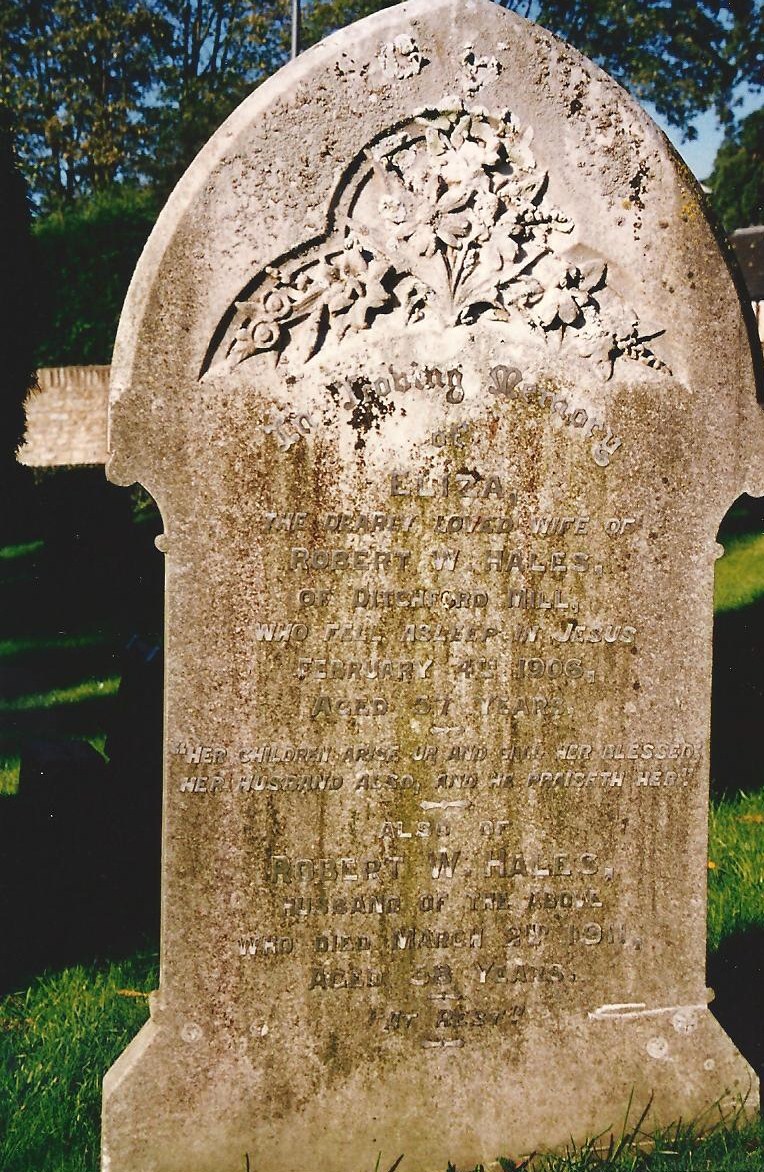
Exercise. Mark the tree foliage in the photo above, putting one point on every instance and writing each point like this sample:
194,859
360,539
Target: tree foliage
684,57
79,74
87,253
19,333
111,90
18,320
737,180
217,51
113,95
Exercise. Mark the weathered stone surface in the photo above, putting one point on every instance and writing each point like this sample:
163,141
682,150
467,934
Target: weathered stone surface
439,377
66,417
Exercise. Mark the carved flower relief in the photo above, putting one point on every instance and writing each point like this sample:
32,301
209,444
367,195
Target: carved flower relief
446,158
477,152
409,221
401,58
422,225
342,287
567,295
260,319
477,70
464,162
606,345
353,286
465,228
465,186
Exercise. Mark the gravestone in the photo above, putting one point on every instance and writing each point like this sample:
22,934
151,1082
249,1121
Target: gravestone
439,377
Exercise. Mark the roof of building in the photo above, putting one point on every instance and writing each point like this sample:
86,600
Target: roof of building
748,244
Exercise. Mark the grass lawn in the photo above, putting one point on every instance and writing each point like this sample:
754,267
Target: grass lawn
735,867
740,573
57,1038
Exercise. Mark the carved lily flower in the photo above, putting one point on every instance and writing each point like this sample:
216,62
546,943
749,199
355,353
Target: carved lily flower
354,286
410,218
338,276
418,232
466,163
414,225
373,294
564,300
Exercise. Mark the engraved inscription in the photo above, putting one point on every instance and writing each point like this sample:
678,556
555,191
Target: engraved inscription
438,640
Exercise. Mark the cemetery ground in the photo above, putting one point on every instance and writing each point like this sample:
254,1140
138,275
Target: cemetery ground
72,600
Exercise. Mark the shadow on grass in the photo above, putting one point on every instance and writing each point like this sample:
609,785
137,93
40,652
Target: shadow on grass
737,700
95,571
85,718
736,974
746,516
80,840
81,849
76,591
39,672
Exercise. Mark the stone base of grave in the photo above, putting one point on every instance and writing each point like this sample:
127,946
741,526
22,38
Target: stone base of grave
173,1104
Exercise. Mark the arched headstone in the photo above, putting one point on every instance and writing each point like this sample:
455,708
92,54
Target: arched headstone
439,377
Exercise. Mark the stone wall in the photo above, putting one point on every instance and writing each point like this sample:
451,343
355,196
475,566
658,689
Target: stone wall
66,417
